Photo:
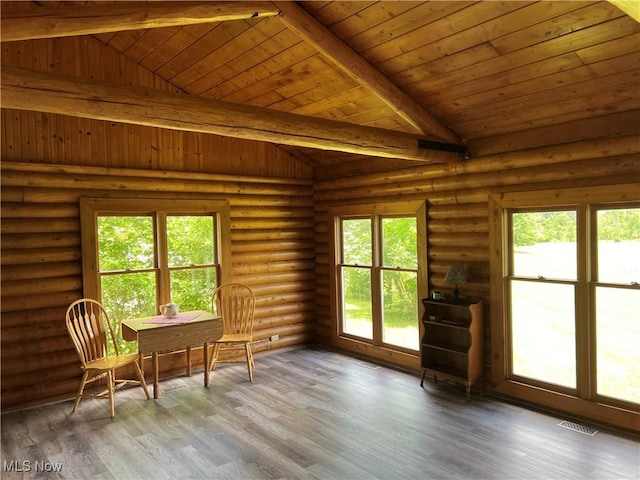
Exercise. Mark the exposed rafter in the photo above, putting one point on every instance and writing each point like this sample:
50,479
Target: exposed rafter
120,17
312,31
65,22
44,92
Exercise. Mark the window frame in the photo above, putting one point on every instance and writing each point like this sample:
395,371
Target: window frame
375,346
341,269
92,208
587,201
574,282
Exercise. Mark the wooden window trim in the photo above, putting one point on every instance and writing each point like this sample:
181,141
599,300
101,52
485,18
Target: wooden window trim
382,353
91,208
499,205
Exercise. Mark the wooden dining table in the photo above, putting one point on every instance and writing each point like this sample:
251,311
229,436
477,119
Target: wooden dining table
158,335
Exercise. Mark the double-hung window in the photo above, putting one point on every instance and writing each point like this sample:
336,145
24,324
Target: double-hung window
565,290
379,277
141,253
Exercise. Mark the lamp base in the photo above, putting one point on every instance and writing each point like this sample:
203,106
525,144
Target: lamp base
456,292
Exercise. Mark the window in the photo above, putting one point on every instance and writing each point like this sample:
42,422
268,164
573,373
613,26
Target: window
378,274
356,277
542,290
564,294
399,279
617,296
192,266
139,254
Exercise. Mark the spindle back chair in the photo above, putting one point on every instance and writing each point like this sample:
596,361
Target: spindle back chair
91,331
235,303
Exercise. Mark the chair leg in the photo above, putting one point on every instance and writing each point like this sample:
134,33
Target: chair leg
143,384
112,406
141,362
214,357
249,361
210,357
83,382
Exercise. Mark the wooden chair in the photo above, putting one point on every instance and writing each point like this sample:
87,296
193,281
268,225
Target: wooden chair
86,320
235,303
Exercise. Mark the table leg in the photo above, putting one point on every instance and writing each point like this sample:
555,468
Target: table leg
154,361
205,358
188,361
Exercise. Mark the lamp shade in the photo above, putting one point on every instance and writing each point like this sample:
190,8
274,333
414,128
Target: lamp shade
456,275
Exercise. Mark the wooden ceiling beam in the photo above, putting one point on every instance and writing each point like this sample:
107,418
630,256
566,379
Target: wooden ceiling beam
79,97
312,31
65,22
62,22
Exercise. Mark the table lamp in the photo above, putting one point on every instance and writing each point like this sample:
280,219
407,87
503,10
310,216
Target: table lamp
456,275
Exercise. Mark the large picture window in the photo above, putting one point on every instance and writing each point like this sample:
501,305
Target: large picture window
565,289
139,254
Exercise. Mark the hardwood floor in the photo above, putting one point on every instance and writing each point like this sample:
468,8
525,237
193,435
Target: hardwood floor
309,413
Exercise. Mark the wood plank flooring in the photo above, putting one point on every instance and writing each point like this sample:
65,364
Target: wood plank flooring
309,414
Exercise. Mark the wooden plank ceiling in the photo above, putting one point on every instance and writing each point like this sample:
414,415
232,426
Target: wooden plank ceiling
490,75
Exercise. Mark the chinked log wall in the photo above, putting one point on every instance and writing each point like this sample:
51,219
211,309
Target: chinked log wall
457,211
272,252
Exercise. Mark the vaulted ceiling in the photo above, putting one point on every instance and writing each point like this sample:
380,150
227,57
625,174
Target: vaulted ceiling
333,82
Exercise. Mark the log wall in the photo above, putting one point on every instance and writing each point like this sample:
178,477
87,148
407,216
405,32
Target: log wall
279,219
457,213
272,251
50,161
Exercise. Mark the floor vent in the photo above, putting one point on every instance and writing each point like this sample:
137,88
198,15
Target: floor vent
370,366
576,427
175,388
